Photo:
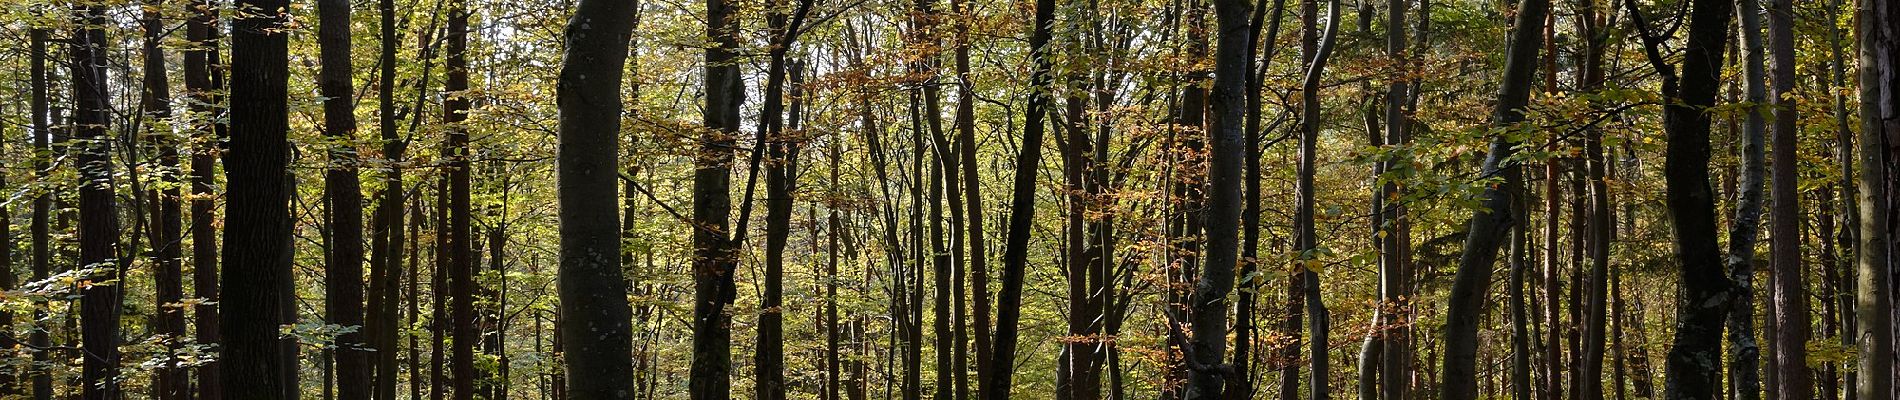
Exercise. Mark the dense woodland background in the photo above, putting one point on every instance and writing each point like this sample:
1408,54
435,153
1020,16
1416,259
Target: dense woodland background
855,199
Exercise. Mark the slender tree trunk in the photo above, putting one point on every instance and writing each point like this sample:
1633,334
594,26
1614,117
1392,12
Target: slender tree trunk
166,233
965,126
1306,236
98,214
257,220
1744,352
344,198
1790,286
714,258
42,207
1227,154
1488,226
1692,371
456,158
1022,207
391,207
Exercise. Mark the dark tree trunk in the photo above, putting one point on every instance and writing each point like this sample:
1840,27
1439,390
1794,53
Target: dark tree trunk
1789,287
42,205
1022,207
255,363
98,213
390,232
1488,226
344,199
965,126
460,235
1228,151
166,231
714,258
202,78
1692,370
781,177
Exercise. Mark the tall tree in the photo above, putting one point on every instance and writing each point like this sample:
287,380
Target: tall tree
1305,234
257,208
1022,207
202,79
99,263
387,244
1789,290
597,319
1488,225
780,181
714,258
166,230
457,156
343,197
1691,371
1228,150
1879,33
1744,229
42,202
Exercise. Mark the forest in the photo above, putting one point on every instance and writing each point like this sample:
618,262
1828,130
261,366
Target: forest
971,199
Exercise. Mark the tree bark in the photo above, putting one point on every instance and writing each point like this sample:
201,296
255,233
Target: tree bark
597,318
1789,285
344,199
1488,225
257,220
166,231
98,233
1022,207
1879,34
714,258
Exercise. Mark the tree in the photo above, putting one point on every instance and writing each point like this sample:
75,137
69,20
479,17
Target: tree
344,197
167,219
1789,285
99,263
202,79
713,256
1879,34
257,214
1022,208
597,318
1691,370
1228,150
1486,229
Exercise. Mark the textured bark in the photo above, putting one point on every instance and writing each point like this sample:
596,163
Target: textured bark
1879,35
1789,287
98,214
1692,370
343,197
1488,225
782,152
166,229
257,221
596,326
1744,230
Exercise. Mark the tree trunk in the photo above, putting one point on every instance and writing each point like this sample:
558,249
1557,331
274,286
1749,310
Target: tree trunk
456,156
344,199
42,207
714,258
1790,286
1487,226
1879,34
1305,234
166,231
1691,371
1022,207
257,219
1744,352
